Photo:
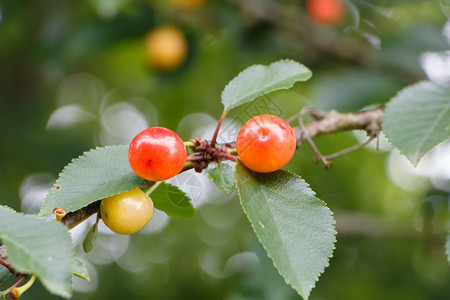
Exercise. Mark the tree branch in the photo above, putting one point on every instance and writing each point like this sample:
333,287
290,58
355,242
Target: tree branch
72,219
294,19
333,121
204,153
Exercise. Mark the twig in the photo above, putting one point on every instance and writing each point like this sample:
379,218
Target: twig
304,111
294,19
72,219
334,121
326,123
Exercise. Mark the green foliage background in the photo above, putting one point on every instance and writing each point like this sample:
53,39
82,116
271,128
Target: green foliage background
390,240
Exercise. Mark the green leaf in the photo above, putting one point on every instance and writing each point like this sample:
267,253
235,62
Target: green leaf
418,118
445,7
39,246
99,173
5,276
258,80
79,269
222,175
4,208
89,239
293,225
173,201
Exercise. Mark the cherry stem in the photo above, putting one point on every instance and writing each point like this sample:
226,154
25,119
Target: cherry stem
232,150
216,132
226,155
21,279
195,157
153,187
189,144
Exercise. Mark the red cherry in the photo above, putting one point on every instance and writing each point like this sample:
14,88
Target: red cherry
265,143
157,153
328,12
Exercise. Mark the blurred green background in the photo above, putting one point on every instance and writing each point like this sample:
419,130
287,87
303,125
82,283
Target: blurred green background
73,76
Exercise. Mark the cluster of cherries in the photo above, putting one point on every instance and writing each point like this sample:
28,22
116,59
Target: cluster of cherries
264,144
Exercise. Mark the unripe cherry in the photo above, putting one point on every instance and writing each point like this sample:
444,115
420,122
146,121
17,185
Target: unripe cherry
127,212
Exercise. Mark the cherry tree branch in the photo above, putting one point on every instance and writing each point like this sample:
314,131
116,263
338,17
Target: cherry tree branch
295,19
72,219
204,153
333,121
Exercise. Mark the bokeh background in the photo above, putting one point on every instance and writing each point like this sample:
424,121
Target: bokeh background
74,76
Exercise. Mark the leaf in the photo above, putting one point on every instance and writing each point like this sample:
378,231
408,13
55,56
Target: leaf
5,276
173,201
418,118
445,7
6,209
222,175
258,80
39,246
89,239
79,269
97,174
293,225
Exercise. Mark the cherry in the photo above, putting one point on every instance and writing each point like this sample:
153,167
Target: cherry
165,48
127,212
265,143
157,154
328,12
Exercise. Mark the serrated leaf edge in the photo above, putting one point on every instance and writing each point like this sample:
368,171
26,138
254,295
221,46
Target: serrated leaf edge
184,208
306,296
417,157
72,162
72,254
265,67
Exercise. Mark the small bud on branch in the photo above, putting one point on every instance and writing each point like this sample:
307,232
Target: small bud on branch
3,252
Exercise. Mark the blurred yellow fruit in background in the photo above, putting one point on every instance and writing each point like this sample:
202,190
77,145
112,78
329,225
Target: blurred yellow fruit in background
166,48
